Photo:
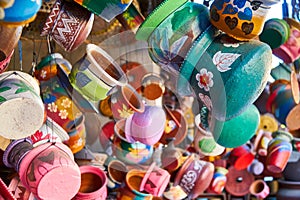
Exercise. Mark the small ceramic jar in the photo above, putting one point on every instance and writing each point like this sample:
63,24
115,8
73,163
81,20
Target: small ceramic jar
170,31
260,189
68,24
243,20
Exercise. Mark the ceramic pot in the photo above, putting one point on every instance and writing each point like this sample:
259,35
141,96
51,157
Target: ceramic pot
291,171
216,69
170,31
116,171
256,167
279,151
93,184
130,153
21,106
219,180
47,165
289,51
146,127
104,107
260,189
268,123
17,13
261,142
194,176
288,190
238,181
152,86
291,120
241,157
242,20
125,101
275,32
68,24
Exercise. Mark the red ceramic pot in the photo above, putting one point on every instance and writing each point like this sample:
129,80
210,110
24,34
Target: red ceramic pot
194,176
241,157
93,184
69,24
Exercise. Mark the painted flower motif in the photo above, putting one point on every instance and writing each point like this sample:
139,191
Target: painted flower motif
63,114
206,100
125,112
52,107
205,79
66,103
43,73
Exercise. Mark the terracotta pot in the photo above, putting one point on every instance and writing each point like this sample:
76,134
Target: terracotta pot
125,101
260,189
93,184
68,24
242,20
47,165
21,106
194,176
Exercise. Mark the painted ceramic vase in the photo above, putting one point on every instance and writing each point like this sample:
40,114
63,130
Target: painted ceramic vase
96,73
170,31
58,104
47,165
238,181
68,24
237,131
146,127
218,182
288,190
125,101
194,176
260,189
21,105
17,13
279,151
216,69
280,101
129,152
289,51
241,157
275,32
93,184
242,20
106,9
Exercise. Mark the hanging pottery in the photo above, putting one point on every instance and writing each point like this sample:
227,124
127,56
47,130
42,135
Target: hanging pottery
242,20
260,189
241,157
219,180
68,24
217,70
256,167
290,50
170,31
152,86
261,142
116,171
275,33
96,73
17,13
21,106
93,184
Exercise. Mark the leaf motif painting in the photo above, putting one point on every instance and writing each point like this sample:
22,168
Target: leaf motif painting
223,61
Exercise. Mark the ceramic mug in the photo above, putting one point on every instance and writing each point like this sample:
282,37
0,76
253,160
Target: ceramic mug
47,165
260,189
68,24
242,20
171,30
93,184
17,13
289,51
129,152
21,105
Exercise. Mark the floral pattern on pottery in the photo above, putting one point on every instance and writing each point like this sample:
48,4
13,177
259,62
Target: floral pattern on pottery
240,19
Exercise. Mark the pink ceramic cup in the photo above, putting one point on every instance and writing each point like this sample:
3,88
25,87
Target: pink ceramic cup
260,189
49,172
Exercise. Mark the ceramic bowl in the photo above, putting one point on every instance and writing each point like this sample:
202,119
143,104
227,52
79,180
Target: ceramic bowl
68,24
243,20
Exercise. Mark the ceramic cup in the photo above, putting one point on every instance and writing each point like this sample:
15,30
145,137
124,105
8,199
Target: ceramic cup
170,31
289,51
21,106
146,127
49,164
96,73
260,189
18,13
125,101
241,157
243,20
275,32
68,24
194,176
216,69
129,152
218,182
93,184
